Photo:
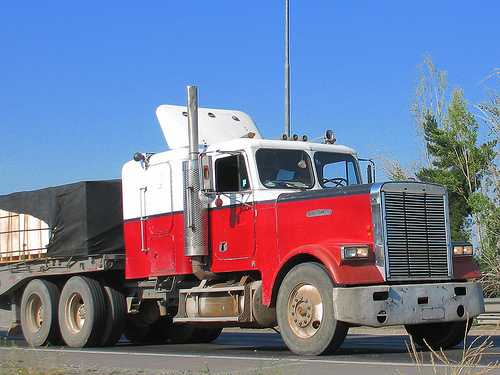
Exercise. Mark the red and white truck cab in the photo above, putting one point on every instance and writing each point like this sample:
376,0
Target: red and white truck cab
256,232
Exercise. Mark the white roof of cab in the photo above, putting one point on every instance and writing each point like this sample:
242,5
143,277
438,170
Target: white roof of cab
258,144
214,125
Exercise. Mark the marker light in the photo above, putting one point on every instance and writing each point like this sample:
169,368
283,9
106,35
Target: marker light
354,252
463,249
206,172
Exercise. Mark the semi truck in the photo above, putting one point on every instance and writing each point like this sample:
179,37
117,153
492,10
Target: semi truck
227,229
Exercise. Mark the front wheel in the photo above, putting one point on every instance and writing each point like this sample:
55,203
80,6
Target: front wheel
439,335
305,311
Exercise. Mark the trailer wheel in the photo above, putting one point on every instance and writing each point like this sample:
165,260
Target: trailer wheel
305,311
439,335
82,312
39,313
116,313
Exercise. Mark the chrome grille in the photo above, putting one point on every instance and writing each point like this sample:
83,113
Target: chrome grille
416,230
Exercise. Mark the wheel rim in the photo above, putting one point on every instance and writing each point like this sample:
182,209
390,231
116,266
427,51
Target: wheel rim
305,310
34,313
75,312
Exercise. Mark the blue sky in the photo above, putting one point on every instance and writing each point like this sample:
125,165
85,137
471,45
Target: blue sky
80,81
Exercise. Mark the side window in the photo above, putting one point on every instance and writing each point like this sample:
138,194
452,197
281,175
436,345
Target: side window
231,174
336,169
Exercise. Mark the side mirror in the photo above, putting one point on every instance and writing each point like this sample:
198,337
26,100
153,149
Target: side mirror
370,170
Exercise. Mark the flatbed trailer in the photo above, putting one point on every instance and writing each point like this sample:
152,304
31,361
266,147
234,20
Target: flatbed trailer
15,276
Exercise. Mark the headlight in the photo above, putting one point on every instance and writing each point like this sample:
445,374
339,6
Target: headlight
355,252
463,249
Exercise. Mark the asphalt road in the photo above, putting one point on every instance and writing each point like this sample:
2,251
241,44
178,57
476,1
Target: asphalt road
365,351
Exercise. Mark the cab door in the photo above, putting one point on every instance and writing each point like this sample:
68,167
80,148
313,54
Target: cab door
232,224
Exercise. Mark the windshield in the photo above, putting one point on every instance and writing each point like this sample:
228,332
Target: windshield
336,169
284,168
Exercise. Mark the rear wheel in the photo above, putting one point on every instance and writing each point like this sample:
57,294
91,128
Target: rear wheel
116,313
39,313
212,334
439,335
82,312
135,333
180,333
204,335
185,333
156,333
305,311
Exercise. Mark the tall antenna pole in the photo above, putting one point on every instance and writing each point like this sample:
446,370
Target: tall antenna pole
287,72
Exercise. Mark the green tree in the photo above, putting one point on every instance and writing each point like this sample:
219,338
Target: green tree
457,161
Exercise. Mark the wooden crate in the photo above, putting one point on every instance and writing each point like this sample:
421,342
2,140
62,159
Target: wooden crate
22,237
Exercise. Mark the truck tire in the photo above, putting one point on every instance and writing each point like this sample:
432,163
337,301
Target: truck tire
39,313
186,333
180,333
156,333
116,313
82,312
204,335
211,335
305,311
135,333
439,335
150,333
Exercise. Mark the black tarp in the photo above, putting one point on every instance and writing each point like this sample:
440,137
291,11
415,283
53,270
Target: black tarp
85,218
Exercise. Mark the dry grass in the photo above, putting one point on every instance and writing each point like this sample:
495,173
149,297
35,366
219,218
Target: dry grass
273,367
19,361
469,364
491,277
28,362
31,361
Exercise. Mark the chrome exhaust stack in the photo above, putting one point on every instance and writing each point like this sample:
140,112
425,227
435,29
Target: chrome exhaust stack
195,211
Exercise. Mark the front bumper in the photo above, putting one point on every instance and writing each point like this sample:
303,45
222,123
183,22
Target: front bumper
388,305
